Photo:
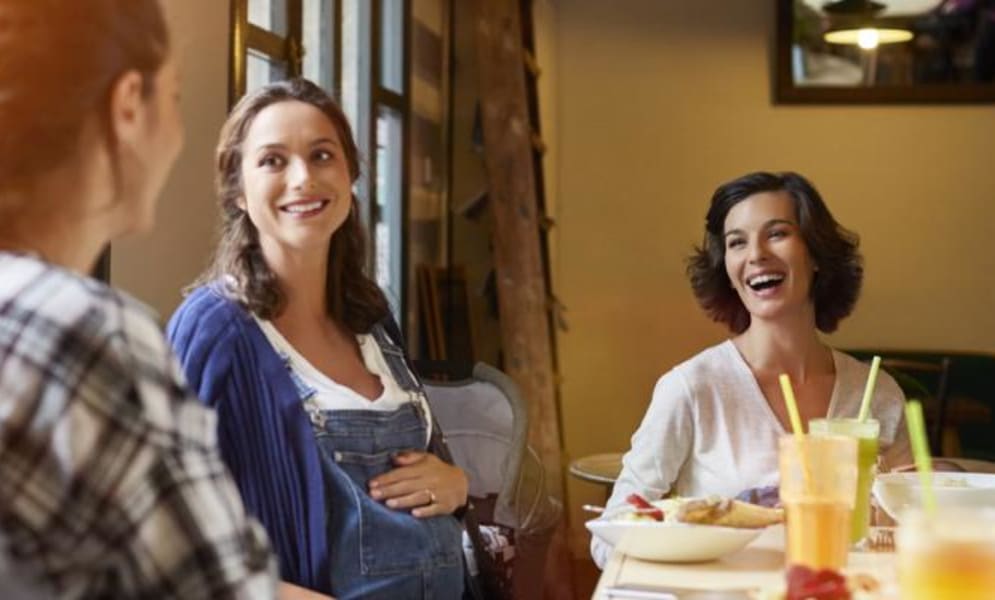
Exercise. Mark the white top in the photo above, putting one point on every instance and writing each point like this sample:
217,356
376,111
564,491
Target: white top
710,430
331,395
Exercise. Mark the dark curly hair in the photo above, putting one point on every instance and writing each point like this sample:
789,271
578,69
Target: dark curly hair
353,299
836,284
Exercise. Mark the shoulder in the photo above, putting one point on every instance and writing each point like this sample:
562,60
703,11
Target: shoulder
853,373
96,350
715,363
207,316
69,316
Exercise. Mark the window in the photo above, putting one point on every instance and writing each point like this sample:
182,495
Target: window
355,49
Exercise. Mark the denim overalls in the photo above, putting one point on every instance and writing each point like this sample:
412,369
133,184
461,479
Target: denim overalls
379,552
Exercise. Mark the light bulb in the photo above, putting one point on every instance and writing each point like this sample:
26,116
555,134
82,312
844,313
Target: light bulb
868,38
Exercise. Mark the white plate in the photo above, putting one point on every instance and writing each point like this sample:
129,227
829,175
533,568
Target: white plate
896,492
671,542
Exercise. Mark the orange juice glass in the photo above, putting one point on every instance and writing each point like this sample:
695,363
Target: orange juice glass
818,487
946,556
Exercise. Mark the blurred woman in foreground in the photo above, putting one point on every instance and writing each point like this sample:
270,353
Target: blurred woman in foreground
111,485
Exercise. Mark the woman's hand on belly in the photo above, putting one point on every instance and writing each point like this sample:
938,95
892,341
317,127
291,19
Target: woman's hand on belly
421,482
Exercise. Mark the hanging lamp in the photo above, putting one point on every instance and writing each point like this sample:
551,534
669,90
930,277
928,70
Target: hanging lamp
854,23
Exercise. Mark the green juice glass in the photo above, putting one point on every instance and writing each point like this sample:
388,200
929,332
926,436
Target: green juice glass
866,433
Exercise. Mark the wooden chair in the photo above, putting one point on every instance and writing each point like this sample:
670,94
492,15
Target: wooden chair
929,379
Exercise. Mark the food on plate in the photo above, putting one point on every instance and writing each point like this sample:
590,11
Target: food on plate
713,510
728,513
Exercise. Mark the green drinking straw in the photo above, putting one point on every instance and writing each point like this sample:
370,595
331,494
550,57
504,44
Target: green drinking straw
920,451
789,400
872,378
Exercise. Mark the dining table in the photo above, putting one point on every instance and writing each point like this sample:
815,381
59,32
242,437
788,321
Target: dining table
756,571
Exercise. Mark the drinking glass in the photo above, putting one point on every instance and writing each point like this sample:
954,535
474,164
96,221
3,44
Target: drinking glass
818,488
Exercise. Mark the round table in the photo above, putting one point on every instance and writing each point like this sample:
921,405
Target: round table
598,468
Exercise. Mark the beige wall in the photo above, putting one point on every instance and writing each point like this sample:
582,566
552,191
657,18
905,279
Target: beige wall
156,266
659,102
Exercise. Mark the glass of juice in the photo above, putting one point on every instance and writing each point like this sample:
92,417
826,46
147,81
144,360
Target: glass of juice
947,555
818,487
866,433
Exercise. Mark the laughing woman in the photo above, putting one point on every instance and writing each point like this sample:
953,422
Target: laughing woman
777,269
323,426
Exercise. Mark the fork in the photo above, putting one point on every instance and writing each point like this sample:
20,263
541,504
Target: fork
881,539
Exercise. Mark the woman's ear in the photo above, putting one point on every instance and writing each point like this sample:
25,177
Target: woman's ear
128,106
240,203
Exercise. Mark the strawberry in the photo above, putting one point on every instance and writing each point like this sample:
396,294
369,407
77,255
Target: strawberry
645,507
807,584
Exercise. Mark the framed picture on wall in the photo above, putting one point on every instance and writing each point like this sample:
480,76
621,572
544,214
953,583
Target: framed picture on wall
894,51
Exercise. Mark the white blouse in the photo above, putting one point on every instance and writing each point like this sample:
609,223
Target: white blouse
332,395
710,430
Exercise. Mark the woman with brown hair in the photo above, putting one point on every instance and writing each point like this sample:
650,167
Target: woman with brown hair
323,425
777,269
111,484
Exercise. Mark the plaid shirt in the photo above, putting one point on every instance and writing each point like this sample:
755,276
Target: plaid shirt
111,484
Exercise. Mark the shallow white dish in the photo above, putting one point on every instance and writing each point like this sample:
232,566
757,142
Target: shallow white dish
671,542
896,492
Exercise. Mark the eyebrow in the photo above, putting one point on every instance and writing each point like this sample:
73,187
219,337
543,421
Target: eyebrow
279,146
766,225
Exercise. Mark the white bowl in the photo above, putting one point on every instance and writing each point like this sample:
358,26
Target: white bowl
671,542
896,492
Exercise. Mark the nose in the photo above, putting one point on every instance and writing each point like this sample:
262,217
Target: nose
299,173
757,251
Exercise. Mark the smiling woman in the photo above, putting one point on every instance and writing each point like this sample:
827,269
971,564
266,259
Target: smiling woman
776,268
326,430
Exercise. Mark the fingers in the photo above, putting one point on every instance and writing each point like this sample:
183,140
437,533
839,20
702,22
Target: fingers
413,499
403,459
427,485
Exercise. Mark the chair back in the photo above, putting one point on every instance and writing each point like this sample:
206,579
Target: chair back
485,421
929,378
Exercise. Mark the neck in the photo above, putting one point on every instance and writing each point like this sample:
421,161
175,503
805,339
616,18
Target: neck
56,217
302,276
789,345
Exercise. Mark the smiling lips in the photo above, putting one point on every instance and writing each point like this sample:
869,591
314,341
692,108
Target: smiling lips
305,208
765,284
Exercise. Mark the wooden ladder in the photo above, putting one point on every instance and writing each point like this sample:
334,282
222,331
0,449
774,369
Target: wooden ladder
528,310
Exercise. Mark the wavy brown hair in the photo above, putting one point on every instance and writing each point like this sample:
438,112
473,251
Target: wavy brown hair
836,284
352,298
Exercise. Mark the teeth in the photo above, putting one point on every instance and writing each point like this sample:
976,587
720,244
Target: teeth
761,279
302,208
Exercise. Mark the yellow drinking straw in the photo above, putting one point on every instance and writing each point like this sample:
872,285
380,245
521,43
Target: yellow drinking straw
920,451
872,378
796,425
789,400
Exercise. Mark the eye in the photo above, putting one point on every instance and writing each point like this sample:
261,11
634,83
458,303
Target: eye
322,155
776,234
272,161
735,242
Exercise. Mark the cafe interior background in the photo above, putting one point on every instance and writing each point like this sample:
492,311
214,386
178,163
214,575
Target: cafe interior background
645,106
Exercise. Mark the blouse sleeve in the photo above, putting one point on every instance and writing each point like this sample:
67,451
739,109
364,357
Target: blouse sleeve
660,447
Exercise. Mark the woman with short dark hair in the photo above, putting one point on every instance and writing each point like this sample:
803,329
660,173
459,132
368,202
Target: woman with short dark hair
111,483
776,268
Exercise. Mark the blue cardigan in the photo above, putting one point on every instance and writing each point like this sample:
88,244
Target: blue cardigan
264,434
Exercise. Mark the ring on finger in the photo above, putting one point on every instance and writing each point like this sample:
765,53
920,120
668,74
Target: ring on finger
431,496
